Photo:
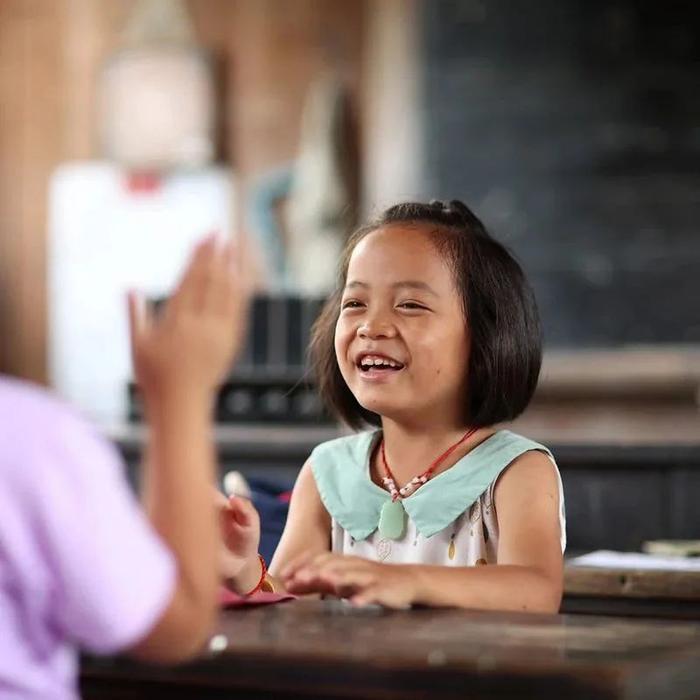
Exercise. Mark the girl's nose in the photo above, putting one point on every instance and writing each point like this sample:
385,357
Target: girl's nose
376,328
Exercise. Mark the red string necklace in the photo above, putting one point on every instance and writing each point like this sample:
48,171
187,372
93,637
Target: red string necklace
419,480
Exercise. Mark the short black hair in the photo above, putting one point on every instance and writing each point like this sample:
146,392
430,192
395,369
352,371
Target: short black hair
499,310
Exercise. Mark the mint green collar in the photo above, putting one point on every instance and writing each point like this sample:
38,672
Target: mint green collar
341,471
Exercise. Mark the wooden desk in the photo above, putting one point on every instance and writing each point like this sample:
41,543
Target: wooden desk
323,650
598,591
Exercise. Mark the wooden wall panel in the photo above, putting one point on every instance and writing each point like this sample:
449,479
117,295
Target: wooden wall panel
30,123
268,51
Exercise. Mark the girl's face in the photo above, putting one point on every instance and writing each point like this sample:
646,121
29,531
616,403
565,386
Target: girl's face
401,340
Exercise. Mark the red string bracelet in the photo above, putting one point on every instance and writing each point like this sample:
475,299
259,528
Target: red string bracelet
261,582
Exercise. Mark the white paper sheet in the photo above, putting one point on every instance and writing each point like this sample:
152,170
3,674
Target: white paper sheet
633,560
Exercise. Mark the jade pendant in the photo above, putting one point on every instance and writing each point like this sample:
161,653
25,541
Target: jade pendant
392,520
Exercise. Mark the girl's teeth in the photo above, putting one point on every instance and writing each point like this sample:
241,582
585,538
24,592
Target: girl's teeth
378,362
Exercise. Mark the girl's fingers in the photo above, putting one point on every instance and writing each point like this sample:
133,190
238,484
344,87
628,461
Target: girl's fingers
139,317
339,584
329,564
220,500
216,281
320,573
189,291
230,292
239,261
309,568
134,304
368,596
310,585
222,288
348,583
301,562
360,575
242,510
204,275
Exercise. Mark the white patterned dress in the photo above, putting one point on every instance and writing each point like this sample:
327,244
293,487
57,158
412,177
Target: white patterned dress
451,520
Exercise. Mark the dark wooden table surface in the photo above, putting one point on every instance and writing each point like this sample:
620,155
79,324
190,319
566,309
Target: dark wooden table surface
631,592
328,650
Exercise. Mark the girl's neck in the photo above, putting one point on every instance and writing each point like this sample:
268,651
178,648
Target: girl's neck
410,450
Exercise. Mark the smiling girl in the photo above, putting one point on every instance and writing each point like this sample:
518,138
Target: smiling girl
432,339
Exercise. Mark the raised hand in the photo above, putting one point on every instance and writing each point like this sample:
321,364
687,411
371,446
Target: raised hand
180,356
189,347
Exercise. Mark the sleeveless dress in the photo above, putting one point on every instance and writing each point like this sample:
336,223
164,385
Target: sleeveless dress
451,520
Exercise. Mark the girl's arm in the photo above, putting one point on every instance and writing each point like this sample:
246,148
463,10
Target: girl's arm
528,576
308,529
529,573
179,473
306,534
180,357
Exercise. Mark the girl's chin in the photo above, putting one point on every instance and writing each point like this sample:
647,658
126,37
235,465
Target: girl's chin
384,407
375,405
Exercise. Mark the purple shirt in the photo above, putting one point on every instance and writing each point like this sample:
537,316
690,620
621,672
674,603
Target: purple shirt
80,565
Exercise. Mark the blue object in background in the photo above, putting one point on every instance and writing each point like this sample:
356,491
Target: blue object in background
272,187
270,498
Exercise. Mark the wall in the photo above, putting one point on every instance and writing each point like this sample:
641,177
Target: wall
394,107
266,51
572,128
30,93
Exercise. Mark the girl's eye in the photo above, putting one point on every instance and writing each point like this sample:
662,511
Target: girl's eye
412,305
351,304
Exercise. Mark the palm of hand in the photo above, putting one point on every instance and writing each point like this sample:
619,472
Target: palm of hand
195,338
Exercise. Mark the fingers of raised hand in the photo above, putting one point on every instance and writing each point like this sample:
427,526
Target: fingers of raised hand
140,317
217,295
191,290
231,293
215,285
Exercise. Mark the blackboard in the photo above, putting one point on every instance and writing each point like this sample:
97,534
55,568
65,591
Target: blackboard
572,127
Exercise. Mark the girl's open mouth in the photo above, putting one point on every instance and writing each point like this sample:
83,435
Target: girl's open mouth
376,364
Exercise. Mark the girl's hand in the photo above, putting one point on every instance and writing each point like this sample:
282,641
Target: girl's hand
240,534
362,581
189,347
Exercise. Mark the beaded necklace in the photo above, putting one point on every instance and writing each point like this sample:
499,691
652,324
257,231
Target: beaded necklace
392,518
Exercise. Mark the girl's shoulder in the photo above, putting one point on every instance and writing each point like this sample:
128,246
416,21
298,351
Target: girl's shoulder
514,447
505,446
